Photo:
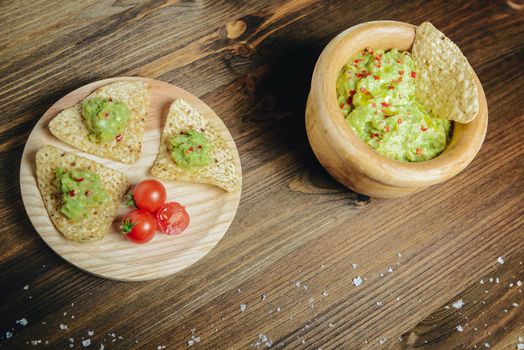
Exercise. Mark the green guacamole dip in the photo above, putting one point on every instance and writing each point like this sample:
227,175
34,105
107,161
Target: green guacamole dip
105,118
81,190
190,149
376,93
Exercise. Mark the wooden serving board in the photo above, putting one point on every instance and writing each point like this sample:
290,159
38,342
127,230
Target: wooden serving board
211,209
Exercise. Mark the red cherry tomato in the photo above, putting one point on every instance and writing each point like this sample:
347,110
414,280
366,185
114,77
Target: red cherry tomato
138,226
172,218
149,195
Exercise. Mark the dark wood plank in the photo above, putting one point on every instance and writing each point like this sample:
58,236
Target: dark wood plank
252,62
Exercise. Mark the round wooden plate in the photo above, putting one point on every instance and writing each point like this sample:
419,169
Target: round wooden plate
211,209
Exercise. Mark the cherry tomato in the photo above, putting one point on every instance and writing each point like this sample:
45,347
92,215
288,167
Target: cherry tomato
149,195
172,218
138,226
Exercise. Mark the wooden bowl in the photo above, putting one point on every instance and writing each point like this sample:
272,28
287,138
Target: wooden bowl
351,161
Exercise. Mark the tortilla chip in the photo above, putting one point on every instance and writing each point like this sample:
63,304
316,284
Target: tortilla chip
69,126
94,227
222,171
445,82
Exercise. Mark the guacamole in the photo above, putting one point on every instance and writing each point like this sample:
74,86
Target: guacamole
81,190
376,93
190,149
105,118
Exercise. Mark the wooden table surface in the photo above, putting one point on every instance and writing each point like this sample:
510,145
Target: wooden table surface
282,275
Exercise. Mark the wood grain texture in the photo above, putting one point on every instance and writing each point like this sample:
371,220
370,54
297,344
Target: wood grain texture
211,209
294,222
349,159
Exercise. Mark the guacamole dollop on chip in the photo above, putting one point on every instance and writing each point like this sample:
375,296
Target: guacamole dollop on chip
447,82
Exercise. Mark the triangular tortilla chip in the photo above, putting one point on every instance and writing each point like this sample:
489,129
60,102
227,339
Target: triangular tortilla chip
69,126
445,83
222,171
97,223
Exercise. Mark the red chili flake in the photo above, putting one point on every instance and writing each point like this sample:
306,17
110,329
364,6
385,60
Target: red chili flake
79,179
72,193
377,65
413,74
399,121
398,61
374,135
378,57
423,128
190,148
352,92
199,146
373,104
87,193
110,99
391,87
359,75
368,74
387,128
362,90
357,61
118,138
341,105
401,72
419,150
350,100
106,114
384,104
376,77
370,50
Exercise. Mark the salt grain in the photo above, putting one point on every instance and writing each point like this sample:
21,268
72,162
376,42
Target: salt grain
90,333
324,294
460,328
519,283
357,281
500,260
486,345
22,322
86,343
8,335
515,304
297,284
263,297
458,304
382,340
390,269
243,307
63,326
26,287
354,266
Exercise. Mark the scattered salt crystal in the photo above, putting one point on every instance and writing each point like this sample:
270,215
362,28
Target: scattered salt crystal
491,279
505,311
101,347
331,324
263,297
486,345
26,287
36,342
160,347
297,284
90,333
324,294
497,280
8,335
398,298
190,342
399,255
382,340
519,283
390,269
460,328
243,307
86,343
354,266
520,346
22,322
71,340
379,303
278,309
238,290
481,281
63,326
446,307
381,275
515,304
500,260
511,285
305,287
458,304
357,281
